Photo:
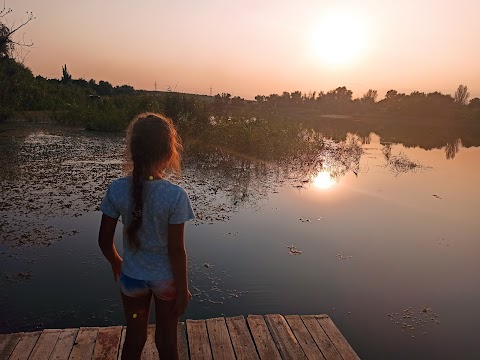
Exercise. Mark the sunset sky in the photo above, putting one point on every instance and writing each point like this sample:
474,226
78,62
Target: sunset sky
258,47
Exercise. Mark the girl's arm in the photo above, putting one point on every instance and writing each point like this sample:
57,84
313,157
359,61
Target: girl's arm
178,261
105,241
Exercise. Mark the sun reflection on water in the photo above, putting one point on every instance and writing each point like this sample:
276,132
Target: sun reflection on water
323,180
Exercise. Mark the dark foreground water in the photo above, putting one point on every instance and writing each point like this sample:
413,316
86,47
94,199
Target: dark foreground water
389,247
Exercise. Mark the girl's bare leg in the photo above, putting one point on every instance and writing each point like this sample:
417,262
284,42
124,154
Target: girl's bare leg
166,329
137,313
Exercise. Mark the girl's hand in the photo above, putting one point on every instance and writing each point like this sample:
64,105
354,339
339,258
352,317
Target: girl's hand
182,302
117,268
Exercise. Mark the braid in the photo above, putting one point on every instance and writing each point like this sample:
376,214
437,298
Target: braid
153,146
137,193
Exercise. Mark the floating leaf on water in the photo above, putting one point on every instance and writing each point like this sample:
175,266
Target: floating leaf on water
293,250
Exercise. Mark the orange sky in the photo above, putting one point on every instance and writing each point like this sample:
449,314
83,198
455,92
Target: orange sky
257,47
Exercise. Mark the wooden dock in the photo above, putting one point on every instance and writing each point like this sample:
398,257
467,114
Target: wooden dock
268,337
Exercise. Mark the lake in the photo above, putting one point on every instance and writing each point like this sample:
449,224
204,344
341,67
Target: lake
382,237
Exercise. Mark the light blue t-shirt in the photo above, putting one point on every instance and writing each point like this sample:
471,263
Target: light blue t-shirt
163,203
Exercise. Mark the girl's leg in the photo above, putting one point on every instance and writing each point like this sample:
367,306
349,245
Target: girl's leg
137,313
166,329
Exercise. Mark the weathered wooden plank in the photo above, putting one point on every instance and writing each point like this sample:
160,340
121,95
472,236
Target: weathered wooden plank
337,338
122,340
220,339
182,341
304,338
321,339
241,339
25,345
263,340
284,339
8,343
84,344
106,345
45,344
150,351
198,340
64,344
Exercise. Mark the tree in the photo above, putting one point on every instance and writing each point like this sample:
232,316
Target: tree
370,97
124,89
237,101
66,77
296,97
16,82
104,88
260,98
10,48
461,95
391,94
474,103
341,94
338,100
273,99
220,101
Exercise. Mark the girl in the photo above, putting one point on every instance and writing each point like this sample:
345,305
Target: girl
153,212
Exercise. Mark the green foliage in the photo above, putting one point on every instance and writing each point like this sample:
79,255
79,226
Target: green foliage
109,113
16,83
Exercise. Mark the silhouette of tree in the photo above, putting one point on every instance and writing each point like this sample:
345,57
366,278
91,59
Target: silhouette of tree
417,95
237,101
260,99
369,97
296,97
474,103
104,88
220,101
66,77
340,94
391,94
124,89
461,95
337,101
8,46
438,99
273,99
81,83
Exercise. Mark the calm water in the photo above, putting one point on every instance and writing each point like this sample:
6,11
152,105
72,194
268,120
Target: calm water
396,231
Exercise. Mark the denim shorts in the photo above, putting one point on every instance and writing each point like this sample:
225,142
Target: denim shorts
163,289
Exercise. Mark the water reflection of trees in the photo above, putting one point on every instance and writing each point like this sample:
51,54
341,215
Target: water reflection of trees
226,180
335,157
245,179
452,148
412,133
387,151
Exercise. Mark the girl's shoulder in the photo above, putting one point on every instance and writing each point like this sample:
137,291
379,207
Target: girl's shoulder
120,182
170,187
168,191
119,185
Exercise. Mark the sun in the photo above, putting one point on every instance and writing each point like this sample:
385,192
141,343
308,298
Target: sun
323,180
340,37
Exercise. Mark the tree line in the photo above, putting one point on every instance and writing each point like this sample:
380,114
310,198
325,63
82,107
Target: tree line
341,101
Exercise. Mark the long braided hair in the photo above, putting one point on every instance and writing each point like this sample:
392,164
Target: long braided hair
153,147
